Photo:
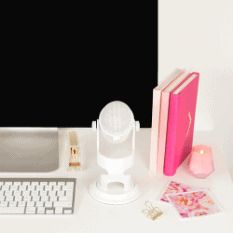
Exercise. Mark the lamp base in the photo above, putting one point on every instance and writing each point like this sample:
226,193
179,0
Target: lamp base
114,199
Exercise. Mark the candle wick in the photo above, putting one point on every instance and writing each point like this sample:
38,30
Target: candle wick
202,152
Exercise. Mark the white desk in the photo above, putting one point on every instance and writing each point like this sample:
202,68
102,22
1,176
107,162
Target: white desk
94,217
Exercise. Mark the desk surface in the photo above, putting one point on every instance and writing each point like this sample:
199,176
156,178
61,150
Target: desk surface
94,217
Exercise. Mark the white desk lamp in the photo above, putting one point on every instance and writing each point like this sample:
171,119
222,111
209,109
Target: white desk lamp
115,153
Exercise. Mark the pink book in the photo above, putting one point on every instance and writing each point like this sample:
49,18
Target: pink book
155,118
181,117
163,117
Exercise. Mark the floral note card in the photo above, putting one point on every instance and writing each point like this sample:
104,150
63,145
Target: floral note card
175,187
194,203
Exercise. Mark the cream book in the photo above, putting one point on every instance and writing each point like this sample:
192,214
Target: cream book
155,120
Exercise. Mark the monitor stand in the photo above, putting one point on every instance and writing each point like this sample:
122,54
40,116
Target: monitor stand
28,149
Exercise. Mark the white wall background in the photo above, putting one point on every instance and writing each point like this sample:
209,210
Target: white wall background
198,35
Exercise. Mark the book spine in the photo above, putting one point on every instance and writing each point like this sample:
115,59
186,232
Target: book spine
154,132
164,107
169,160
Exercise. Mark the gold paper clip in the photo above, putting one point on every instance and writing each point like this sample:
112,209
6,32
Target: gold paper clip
151,211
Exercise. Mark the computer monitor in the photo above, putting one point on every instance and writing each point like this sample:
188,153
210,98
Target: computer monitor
61,74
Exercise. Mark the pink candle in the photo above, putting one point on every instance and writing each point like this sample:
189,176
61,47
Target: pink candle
201,161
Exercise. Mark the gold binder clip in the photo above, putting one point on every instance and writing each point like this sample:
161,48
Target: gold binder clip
151,211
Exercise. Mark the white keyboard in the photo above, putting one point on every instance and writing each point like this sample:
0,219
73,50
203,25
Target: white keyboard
37,195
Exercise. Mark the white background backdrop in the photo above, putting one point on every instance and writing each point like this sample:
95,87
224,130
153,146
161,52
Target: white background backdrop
198,35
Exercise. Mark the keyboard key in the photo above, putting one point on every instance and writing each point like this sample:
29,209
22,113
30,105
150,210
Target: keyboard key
3,204
68,193
60,193
11,210
18,198
21,203
61,183
9,198
17,183
56,188
12,204
8,193
39,203
48,204
54,199
48,188
35,198
43,183
43,193
30,188
8,183
41,210
58,210
52,183
49,210
30,203
5,188
16,193
62,204
68,211
44,198
30,210
34,184
40,188
63,198
27,198
14,187
68,186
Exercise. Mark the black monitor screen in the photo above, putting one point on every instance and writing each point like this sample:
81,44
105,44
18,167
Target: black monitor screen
61,68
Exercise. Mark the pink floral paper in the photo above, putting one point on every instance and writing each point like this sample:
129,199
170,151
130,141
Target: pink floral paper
195,203
175,187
